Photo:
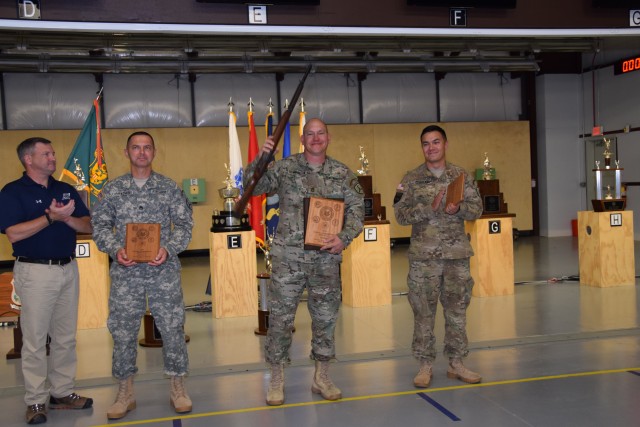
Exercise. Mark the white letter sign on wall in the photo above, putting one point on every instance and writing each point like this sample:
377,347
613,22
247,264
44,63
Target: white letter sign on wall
29,9
257,14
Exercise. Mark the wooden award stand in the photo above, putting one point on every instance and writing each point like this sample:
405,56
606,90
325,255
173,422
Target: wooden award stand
493,203
93,267
605,248
373,209
233,273
366,267
492,263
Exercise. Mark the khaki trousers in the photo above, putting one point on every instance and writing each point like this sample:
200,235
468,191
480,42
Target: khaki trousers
49,296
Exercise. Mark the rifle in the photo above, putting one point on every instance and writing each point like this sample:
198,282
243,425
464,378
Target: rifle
266,158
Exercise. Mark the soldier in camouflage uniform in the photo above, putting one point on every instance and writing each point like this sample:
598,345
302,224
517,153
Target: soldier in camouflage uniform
144,196
311,173
438,256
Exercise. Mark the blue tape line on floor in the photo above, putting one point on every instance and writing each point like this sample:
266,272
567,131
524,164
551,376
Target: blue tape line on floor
634,373
177,423
439,407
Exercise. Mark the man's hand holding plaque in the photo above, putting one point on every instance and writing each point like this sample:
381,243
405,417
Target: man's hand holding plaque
455,195
142,244
324,219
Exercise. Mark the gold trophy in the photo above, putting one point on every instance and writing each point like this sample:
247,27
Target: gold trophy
607,153
486,173
608,195
364,163
225,221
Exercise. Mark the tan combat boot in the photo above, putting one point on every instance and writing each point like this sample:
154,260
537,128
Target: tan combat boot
423,378
125,400
457,370
275,393
322,384
180,400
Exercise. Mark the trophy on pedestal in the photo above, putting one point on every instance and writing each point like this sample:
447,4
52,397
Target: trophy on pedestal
612,199
373,209
489,187
225,220
607,153
486,173
364,163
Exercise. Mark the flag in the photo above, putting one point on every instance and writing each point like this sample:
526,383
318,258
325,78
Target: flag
235,155
273,200
86,168
268,124
286,147
303,121
255,204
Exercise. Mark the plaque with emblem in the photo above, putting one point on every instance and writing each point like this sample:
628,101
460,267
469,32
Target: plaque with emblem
323,218
142,242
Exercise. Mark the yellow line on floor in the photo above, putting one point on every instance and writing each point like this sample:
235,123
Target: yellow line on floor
371,396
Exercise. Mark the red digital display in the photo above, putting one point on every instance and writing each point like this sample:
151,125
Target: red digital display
627,65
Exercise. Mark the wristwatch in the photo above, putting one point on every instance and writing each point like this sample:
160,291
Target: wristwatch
46,215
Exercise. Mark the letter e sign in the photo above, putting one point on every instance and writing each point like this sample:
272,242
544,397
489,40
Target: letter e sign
234,241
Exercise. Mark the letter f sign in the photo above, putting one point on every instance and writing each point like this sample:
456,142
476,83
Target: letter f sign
457,17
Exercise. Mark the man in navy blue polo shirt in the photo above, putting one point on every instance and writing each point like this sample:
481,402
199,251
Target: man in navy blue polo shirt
41,216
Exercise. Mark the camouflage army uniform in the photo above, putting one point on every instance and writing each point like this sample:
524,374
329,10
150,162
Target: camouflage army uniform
295,268
438,258
161,201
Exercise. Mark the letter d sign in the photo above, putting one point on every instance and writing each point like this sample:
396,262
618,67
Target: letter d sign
29,9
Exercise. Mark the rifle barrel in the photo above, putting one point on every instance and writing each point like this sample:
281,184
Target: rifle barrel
265,158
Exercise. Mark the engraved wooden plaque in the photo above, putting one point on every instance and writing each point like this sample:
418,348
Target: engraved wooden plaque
142,241
455,190
323,218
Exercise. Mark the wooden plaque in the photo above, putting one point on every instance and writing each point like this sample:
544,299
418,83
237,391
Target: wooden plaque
455,190
322,218
142,241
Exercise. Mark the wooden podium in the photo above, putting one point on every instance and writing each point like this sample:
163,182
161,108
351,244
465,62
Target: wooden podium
366,267
233,273
605,248
492,262
93,267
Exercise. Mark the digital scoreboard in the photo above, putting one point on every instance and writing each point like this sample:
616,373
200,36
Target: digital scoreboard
624,66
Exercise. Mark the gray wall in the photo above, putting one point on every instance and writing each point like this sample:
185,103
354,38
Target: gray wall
565,111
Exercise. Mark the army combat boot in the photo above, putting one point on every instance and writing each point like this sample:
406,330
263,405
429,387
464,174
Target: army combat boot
275,393
423,378
180,400
322,384
125,400
457,370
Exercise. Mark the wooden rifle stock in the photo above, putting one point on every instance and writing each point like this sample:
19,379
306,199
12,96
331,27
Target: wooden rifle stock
266,158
